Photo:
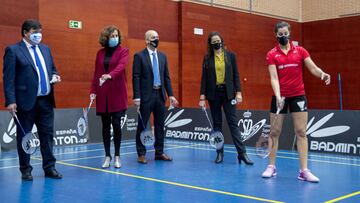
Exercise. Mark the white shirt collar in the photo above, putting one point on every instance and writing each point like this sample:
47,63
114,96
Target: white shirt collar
151,51
28,45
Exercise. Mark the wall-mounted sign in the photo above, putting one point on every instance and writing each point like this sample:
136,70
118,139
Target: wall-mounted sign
75,24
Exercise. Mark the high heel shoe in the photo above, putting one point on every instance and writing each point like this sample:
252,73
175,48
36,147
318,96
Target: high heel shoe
117,163
244,157
219,157
106,163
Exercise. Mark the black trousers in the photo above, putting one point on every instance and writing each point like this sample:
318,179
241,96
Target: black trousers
107,119
42,115
221,101
156,105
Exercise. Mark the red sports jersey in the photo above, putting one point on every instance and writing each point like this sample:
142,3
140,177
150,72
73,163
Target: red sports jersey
289,69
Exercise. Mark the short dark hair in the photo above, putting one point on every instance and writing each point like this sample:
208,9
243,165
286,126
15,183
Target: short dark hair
281,25
105,35
30,24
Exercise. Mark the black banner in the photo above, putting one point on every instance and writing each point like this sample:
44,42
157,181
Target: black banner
328,131
69,128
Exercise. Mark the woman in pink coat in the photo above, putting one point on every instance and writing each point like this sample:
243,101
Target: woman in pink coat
109,88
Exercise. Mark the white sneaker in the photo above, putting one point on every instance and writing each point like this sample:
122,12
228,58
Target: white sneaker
269,172
306,175
117,162
106,163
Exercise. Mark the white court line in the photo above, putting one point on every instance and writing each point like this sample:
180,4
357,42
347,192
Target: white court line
17,166
171,183
287,153
128,142
128,145
91,150
192,146
127,153
284,157
94,157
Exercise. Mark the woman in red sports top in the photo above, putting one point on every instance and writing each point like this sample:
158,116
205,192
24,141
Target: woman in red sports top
285,63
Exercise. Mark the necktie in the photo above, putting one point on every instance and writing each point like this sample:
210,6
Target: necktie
156,73
43,86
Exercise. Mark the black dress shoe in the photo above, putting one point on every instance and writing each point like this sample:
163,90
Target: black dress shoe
26,176
219,157
243,157
53,174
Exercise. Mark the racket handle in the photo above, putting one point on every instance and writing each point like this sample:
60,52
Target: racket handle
278,111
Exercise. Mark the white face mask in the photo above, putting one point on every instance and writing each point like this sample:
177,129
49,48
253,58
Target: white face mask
35,38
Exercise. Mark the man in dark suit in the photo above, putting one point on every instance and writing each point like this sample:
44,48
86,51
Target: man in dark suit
151,82
29,74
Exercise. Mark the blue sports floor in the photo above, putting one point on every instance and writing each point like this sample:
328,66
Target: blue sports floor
191,177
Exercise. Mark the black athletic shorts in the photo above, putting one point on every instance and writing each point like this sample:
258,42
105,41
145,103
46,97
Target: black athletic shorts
293,104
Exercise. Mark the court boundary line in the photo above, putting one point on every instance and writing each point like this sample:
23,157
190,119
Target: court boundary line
284,157
132,141
65,153
194,146
90,157
326,155
171,183
343,197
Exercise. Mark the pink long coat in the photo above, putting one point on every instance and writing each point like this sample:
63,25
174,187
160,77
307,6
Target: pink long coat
113,92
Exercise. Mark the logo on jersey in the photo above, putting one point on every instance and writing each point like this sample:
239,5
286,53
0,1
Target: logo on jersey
292,65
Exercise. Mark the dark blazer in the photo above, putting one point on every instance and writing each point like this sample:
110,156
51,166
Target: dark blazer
143,76
208,79
112,93
20,77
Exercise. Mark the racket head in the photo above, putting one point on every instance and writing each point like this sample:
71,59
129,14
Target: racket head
263,146
147,138
30,143
82,126
216,140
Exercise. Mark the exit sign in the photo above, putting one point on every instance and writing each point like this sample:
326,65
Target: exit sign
75,24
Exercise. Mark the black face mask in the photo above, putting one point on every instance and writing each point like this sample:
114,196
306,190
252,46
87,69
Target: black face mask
216,46
283,40
154,43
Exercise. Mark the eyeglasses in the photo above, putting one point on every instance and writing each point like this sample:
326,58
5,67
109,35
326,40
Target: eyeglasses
281,34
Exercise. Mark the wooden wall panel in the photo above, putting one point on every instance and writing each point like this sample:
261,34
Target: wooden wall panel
12,16
74,51
334,46
13,13
249,36
160,15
